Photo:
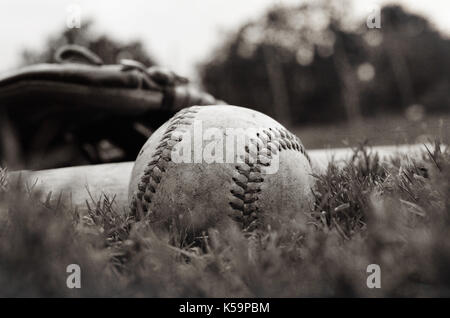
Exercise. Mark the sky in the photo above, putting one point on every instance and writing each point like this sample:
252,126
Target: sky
178,33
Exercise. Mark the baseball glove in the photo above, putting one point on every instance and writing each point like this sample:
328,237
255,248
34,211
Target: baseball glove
80,111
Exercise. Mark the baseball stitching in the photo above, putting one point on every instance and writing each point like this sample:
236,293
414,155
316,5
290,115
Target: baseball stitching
160,159
248,181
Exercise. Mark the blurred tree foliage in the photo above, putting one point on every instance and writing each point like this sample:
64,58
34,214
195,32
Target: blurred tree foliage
108,49
308,64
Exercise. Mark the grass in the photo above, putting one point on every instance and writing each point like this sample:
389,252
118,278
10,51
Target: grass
395,214
380,131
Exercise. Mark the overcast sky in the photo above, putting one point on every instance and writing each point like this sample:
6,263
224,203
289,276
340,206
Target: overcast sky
179,33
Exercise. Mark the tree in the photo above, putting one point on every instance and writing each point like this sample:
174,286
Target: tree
305,64
412,61
108,49
279,63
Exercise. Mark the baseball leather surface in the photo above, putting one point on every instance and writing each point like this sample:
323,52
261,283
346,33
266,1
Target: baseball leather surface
191,197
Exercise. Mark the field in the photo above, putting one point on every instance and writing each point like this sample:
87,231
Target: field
383,130
395,214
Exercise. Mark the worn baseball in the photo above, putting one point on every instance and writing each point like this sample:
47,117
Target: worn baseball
209,166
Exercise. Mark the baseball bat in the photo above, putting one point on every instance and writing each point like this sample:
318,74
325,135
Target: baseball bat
83,184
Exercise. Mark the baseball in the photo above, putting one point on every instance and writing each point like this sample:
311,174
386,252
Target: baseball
209,166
